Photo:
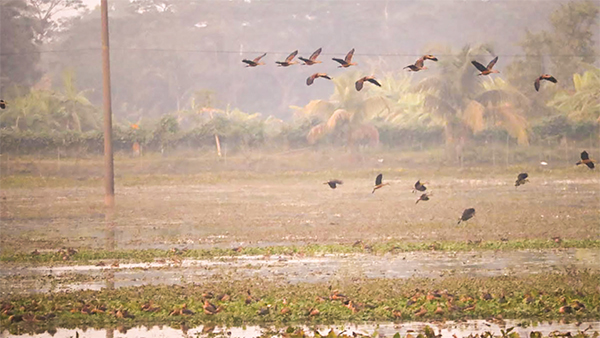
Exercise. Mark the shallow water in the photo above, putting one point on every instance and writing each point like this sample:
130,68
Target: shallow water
386,329
295,269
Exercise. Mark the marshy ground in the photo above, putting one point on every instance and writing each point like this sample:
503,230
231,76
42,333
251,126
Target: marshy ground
534,249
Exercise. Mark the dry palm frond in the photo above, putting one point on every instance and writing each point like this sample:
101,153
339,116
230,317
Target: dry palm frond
337,117
316,133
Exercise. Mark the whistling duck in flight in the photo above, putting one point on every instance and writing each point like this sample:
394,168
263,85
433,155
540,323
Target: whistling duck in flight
466,215
547,77
333,183
419,64
312,78
2,104
378,183
420,186
424,197
521,179
288,60
486,70
255,62
347,61
312,59
585,159
361,81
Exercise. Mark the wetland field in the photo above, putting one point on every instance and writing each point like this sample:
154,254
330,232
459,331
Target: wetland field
259,246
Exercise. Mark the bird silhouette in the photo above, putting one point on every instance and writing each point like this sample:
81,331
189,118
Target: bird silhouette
347,61
361,81
312,59
486,70
255,62
546,77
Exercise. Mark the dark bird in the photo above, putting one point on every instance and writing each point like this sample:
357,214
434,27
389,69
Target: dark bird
2,104
312,78
255,62
521,179
288,60
333,183
347,61
420,63
378,183
486,70
420,186
312,59
543,77
209,308
585,159
466,215
361,81
424,197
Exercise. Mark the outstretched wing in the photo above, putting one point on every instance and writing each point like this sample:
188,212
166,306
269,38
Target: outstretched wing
342,62
373,81
260,57
311,79
549,78
349,55
492,63
585,156
522,176
419,63
536,84
359,85
336,181
479,66
379,179
291,56
315,55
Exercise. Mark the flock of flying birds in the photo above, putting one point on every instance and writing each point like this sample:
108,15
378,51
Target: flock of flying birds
347,62
467,214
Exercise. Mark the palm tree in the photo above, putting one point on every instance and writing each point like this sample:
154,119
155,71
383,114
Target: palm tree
76,110
584,103
347,114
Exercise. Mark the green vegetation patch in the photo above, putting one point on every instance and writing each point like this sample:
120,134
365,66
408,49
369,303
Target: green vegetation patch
573,295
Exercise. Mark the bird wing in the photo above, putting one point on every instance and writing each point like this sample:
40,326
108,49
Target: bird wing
359,85
373,81
311,79
315,55
536,84
303,59
585,156
291,56
325,76
479,66
419,63
522,176
379,179
250,62
337,181
343,62
260,57
430,57
549,78
590,164
492,63
348,57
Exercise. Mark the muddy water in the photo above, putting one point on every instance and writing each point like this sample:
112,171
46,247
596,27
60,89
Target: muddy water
300,269
447,330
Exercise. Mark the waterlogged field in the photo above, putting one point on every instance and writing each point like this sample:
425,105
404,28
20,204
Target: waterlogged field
267,243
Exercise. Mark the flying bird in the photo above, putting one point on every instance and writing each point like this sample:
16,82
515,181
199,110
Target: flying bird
312,78
521,179
333,183
486,70
466,215
347,61
378,183
543,77
424,197
2,104
312,59
420,186
361,81
288,60
255,62
420,63
585,159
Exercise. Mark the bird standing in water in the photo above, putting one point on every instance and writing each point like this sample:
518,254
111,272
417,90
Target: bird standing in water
521,179
361,81
466,215
585,159
255,62
347,61
486,70
378,183
312,59
333,183
546,77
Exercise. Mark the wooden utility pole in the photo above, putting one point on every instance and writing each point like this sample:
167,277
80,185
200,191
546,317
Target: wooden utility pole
109,177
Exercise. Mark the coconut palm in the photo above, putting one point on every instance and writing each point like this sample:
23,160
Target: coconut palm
584,103
76,111
347,114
